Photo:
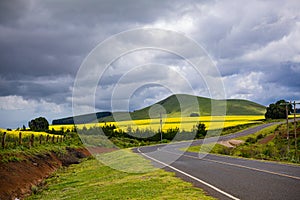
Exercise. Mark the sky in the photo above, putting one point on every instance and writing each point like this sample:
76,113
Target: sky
254,46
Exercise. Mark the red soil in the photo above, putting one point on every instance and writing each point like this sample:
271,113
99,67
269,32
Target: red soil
17,178
267,139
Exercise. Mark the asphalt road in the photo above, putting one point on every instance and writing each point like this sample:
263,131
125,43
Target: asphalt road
226,177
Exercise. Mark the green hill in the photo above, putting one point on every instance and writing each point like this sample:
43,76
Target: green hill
184,104
175,106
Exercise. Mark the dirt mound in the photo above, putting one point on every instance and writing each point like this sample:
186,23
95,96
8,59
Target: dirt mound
231,143
17,178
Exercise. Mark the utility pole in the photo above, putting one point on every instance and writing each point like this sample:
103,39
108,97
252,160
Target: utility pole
287,127
287,124
160,126
295,129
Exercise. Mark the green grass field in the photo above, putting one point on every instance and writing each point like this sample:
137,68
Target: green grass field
94,180
267,144
218,148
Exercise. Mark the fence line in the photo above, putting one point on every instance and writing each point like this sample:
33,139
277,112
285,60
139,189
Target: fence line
20,140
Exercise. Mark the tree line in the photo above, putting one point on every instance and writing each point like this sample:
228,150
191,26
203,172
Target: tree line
278,110
111,131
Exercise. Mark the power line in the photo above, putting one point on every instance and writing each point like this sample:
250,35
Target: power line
287,124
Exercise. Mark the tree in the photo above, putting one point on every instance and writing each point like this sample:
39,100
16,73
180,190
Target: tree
200,130
277,110
38,124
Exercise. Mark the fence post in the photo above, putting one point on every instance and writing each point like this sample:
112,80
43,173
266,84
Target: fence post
31,141
20,138
47,138
41,137
3,140
53,139
57,139
61,139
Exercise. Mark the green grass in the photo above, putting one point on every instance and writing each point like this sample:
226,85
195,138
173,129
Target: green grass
94,180
274,150
183,105
265,132
220,149
217,148
238,128
19,152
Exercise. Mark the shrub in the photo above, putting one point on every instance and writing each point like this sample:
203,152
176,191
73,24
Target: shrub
250,140
260,136
201,130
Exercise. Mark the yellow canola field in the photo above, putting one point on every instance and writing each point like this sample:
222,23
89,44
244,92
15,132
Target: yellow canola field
24,133
183,123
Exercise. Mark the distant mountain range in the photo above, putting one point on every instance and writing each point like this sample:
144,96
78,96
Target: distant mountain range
174,106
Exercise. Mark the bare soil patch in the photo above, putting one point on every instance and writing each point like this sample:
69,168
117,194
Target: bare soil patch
267,139
231,143
17,178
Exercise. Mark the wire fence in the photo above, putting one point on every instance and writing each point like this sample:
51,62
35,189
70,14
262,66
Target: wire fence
28,140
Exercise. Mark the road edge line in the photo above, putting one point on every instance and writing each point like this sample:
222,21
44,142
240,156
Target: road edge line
237,165
190,176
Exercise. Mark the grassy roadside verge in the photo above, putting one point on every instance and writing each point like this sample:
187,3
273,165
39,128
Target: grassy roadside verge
220,149
20,153
267,144
94,180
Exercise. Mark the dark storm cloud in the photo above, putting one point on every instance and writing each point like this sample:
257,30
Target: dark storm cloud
48,38
12,10
285,74
43,42
92,12
52,89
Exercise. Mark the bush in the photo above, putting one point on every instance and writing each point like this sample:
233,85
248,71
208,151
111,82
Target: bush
260,136
250,140
200,130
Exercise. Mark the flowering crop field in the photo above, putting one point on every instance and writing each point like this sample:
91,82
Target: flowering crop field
24,133
183,123
12,137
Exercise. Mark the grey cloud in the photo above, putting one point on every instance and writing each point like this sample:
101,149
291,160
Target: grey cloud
93,12
54,37
232,29
43,43
12,11
284,75
48,88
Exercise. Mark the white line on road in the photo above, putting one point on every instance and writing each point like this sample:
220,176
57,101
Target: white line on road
236,165
192,177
